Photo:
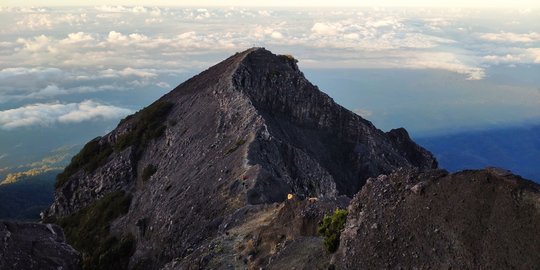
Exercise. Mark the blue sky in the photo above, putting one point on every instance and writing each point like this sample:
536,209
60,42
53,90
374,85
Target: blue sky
431,70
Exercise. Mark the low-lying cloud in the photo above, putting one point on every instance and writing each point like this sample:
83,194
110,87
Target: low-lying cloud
50,57
511,37
156,38
48,114
176,40
45,83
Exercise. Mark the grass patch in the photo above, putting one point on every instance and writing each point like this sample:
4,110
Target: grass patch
331,228
114,254
236,146
88,231
92,156
148,126
289,57
124,120
148,172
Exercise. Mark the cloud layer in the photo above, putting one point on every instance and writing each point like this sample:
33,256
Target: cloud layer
47,114
174,39
55,59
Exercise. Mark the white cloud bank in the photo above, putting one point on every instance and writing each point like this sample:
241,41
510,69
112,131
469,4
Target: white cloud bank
48,114
511,37
534,53
84,53
94,57
45,83
342,38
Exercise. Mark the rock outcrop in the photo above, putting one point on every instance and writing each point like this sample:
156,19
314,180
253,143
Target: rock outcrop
246,132
35,246
485,219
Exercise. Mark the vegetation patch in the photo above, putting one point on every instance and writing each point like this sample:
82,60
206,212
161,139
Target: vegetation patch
289,57
148,172
331,228
236,146
274,73
123,121
92,156
88,231
148,126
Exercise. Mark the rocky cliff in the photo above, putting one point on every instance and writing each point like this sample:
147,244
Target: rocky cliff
35,246
200,178
486,219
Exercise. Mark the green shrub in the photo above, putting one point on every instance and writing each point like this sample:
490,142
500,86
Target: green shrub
236,146
114,254
289,57
148,172
331,228
92,156
88,231
149,125
125,120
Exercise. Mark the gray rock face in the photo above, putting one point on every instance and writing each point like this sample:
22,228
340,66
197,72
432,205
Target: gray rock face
336,148
247,131
486,219
84,188
35,246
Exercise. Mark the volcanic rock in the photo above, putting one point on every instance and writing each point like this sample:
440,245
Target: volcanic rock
239,136
35,246
483,219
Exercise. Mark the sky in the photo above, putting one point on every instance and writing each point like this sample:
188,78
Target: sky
289,3
68,74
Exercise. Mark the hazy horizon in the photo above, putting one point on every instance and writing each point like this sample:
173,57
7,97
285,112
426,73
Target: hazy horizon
483,4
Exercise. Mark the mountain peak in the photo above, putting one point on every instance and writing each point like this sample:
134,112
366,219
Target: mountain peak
245,133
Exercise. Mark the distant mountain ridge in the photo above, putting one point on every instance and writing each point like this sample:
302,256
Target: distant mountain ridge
12,178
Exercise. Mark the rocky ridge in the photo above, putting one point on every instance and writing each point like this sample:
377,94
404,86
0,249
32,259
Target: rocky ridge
35,246
218,153
484,219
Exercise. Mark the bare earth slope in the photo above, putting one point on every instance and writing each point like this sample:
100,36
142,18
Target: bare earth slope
245,132
486,219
